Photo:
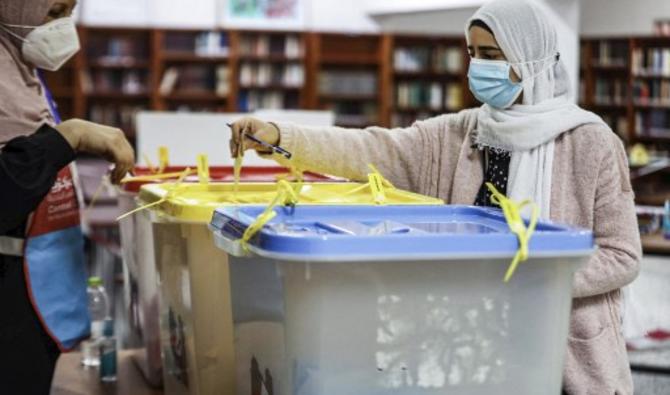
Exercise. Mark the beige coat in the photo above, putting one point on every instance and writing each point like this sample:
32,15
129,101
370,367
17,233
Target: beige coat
590,189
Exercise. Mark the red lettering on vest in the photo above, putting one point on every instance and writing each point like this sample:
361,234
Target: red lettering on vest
59,209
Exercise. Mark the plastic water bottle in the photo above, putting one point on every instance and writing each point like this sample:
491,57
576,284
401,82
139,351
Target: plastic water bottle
98,307
107,349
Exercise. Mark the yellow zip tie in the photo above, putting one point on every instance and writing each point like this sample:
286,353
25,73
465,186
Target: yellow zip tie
512,212
155,177
385,182
149,164
286,195
290,195
163,158
203,169
104,182
376,182
165,198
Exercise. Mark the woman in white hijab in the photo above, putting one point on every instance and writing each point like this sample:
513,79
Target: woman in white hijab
531,142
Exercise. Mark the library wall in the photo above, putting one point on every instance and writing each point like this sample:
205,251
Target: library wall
619,20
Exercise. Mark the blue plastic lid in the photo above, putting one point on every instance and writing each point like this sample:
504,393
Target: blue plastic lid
351,233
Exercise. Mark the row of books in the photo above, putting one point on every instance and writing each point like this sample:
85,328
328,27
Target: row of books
195,107
434,95
130,82
655,92
252,74
289,46
196,78
606,53
399,120
122,116
361,83
250,100
610,92
424,59
117,50
210,44
354,114
654,123
651,62
618,123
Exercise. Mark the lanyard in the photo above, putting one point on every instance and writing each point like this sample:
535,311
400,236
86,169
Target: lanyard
53,107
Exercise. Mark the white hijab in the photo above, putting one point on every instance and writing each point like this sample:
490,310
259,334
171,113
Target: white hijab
528,130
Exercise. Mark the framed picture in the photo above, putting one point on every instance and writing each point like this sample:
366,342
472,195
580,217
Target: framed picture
662,28
264,14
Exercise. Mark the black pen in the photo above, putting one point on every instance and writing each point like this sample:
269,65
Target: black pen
274,148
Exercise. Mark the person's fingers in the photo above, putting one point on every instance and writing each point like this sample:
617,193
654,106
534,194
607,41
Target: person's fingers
121,154
237,129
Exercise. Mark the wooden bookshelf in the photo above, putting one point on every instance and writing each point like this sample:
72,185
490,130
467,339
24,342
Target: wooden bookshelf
626,65
124,70
270,69
608,61
429,77
347,76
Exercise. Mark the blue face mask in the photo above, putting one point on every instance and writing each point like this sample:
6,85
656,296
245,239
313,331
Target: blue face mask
490,83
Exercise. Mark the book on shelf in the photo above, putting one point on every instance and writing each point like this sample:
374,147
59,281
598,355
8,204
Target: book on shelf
354,83
259,45
212,44
453,99
264,74
653,123
611,54
222,81
169,81
250,100
130,82
411,59
419,95
355,114
652,93
448,59
618,124
293,48
651,62
610,92
121,116
118,50
442,59
405,120
196,78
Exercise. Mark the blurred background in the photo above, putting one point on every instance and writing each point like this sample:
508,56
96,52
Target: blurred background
159,68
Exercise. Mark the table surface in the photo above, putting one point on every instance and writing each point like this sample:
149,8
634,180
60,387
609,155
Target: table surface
73,379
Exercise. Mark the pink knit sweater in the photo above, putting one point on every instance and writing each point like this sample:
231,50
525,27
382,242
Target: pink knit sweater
590,189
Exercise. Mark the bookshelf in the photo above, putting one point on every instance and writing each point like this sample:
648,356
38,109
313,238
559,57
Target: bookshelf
121,71
429,77
346,73
626,80
270,70
115,75
605,82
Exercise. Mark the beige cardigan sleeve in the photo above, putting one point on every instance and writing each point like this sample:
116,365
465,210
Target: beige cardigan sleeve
402,155
615,228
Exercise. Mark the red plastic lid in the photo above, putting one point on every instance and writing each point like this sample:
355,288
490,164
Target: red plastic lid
225,174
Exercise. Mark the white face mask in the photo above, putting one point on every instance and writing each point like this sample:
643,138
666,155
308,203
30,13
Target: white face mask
50,45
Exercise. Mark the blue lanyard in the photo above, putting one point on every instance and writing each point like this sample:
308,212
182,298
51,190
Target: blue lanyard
53,107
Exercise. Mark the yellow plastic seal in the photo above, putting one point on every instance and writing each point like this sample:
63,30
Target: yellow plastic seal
163,158
286,196
512,212
203,169
167,196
